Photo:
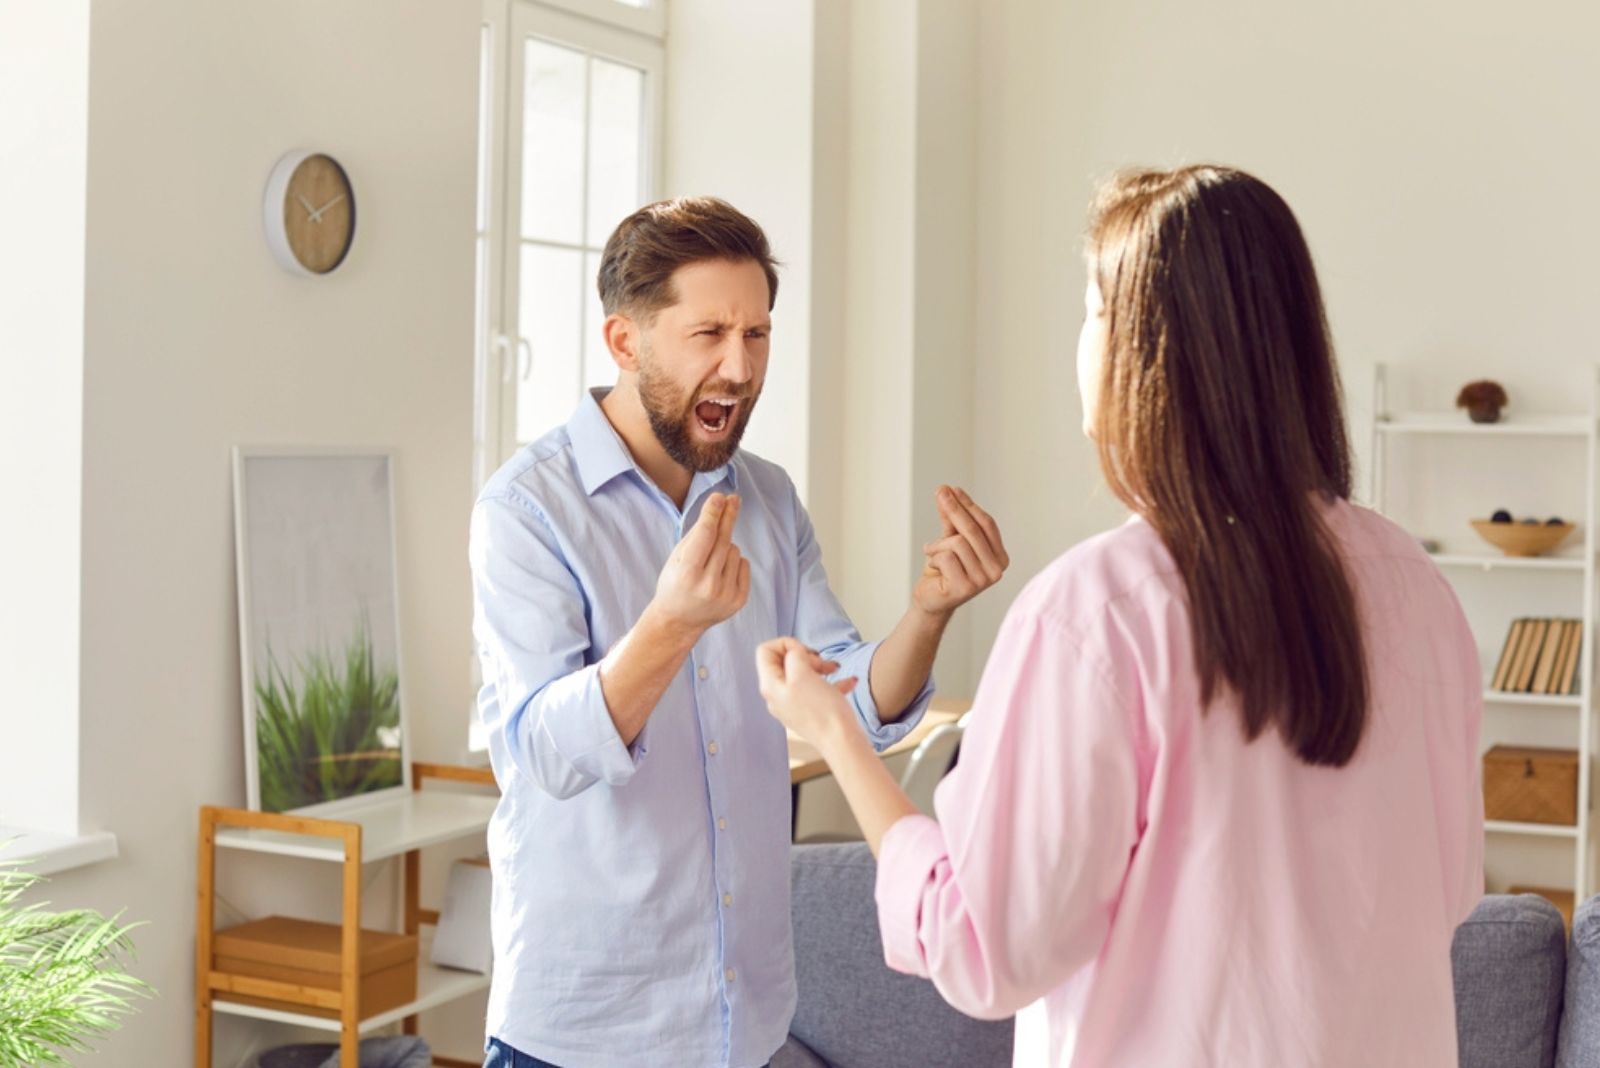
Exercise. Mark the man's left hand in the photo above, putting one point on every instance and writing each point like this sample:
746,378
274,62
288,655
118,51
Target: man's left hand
968,559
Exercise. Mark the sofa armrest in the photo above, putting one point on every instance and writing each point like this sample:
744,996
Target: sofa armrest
1579,1045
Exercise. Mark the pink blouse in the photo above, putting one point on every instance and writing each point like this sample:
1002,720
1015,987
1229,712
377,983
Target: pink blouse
1155,891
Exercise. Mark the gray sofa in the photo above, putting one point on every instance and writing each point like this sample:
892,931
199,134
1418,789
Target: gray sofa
1526,997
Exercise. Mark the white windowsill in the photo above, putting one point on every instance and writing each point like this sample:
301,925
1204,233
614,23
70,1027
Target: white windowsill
46,853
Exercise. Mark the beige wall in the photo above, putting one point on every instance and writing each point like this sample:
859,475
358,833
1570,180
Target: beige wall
1437,154
1441,160
196,341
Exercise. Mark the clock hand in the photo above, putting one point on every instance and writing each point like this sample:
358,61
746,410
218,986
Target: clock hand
304,203
316,216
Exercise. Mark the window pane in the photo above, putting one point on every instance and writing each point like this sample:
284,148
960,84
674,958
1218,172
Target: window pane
598,368
552,143
616,108
548,319
485,125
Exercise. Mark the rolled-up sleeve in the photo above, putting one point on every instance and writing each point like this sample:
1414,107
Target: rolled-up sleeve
543,703
821,623
1012,890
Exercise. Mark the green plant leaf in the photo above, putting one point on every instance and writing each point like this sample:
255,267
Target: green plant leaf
62,981
322,737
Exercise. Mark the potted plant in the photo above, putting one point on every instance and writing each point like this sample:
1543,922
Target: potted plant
61,977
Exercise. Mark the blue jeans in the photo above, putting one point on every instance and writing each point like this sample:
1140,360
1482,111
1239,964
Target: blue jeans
503,1056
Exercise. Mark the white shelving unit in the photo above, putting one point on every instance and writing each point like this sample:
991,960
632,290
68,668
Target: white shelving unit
389,827
1509,563
1576,430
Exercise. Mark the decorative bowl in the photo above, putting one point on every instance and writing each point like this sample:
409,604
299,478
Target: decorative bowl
1523,539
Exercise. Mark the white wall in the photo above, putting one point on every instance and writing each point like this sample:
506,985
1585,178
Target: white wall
872,397
949,350
196,341
830,291
44,141
738,126
893,355
850,139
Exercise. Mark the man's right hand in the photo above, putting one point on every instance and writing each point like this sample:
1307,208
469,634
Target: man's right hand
706,579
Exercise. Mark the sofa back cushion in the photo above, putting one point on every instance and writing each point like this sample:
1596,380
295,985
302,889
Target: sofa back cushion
853,1011
1509,960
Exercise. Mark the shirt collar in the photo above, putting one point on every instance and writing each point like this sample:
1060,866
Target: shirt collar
602,456
596,446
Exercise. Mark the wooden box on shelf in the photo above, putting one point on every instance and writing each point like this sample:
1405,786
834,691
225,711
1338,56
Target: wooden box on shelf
306,953
1523,784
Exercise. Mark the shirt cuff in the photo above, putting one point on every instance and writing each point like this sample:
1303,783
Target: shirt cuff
581,734
909,858
858,662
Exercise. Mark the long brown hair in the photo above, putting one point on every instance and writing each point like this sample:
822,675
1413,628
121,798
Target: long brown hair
1220,421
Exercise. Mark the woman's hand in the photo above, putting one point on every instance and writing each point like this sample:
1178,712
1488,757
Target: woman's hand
796,692
806,703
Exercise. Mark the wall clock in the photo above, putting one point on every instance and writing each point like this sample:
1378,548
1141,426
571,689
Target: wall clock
309,213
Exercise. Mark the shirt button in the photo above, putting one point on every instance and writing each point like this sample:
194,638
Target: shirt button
729,974
712,748
705,673
727,899
722,824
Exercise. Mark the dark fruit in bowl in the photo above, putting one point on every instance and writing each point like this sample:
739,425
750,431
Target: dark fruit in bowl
1553,521
1530,522
1502,516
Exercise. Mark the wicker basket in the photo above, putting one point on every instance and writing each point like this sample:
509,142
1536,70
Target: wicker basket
1529,785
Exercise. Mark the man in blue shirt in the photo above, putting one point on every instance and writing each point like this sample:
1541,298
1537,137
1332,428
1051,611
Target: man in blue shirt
625,568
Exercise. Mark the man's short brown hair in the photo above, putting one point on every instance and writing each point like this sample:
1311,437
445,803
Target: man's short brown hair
649,245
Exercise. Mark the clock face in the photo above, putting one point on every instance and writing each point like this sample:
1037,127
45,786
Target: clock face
319,214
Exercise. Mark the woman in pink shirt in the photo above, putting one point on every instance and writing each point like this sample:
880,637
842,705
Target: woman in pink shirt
1217,802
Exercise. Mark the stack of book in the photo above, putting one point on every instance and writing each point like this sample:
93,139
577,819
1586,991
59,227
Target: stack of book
1540,656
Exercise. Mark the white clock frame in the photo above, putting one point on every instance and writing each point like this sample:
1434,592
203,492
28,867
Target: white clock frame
272,212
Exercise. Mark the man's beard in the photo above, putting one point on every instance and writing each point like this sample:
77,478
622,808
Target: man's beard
671,414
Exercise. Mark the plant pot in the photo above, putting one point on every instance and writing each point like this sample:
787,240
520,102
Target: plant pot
1484,413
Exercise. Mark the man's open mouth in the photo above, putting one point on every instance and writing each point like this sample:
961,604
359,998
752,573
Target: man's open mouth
714,414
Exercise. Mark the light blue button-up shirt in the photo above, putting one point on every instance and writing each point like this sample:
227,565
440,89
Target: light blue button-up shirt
641,893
